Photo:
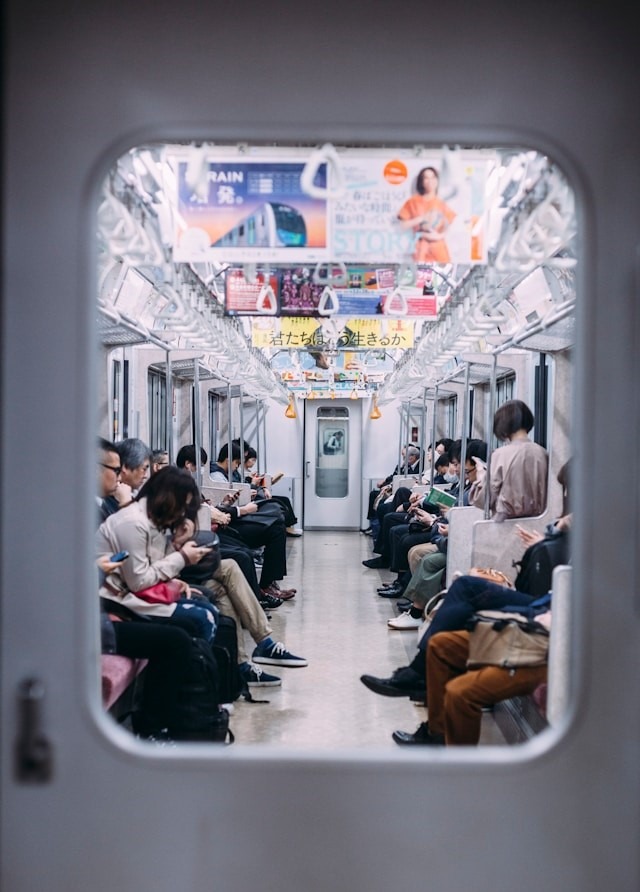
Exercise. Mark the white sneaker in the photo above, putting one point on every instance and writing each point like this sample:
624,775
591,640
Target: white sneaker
404,621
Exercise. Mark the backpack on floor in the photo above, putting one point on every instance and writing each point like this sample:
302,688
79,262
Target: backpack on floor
225,650
199,715
538,562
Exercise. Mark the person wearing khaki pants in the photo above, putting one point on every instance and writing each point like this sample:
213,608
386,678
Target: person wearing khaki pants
456,696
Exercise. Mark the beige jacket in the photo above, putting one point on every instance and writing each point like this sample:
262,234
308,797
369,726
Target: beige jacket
518,486
152,558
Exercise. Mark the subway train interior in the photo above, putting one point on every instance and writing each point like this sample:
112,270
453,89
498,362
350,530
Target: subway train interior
335,238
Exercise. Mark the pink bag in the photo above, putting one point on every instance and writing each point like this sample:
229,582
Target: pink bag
161,593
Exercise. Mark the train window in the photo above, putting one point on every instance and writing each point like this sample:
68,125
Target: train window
157,405
332,453
400,294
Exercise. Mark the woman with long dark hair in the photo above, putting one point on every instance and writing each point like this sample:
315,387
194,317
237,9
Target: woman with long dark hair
152,530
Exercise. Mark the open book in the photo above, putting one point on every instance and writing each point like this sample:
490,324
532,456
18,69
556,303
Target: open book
439,497
268,480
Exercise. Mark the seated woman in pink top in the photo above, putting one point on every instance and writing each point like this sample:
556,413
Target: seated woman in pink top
519,469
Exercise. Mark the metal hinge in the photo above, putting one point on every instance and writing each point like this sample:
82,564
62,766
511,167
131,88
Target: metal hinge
34,757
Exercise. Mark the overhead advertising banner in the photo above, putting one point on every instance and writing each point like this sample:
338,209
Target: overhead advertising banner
368,292
404,209
425,207
250,211
355,334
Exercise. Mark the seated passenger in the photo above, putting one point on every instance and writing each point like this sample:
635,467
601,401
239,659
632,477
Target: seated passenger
441,470
413,459
397,513
166,646
518,484
159,460
456,695
465,596
229,591
256,481
140,529
426,527
135,458
231,546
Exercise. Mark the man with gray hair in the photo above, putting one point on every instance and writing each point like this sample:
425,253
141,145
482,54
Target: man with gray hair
135,458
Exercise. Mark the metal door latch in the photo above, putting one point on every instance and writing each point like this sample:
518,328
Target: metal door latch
34,758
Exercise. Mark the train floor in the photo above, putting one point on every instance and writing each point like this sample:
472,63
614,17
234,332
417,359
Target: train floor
339,624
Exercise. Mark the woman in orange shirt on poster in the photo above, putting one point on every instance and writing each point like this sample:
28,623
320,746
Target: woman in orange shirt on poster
429,217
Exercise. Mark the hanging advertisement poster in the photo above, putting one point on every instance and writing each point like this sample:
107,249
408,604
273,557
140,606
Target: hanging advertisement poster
354,334
401,209
250,211
248,298
299,295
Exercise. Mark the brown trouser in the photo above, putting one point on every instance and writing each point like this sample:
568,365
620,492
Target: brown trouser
456,695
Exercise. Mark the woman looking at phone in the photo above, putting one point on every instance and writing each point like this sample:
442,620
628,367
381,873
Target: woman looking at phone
155,532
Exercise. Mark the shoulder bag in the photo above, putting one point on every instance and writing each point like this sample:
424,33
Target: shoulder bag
498,638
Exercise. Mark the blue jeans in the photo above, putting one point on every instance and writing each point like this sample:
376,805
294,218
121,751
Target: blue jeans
202,613
465,596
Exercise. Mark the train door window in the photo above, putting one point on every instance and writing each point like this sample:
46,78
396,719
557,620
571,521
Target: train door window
450,416
213,411
157,404
119,399
332,453
227,294
505,390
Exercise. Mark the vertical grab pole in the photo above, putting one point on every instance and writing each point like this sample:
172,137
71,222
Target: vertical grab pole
264,436
168,442
229,435
433,432
423,432
407,439
241,406
196,419
465,433
399,464
489,423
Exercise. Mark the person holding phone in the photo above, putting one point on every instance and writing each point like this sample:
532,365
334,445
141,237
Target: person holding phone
141,530
518,474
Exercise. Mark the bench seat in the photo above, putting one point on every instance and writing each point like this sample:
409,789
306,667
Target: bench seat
118,674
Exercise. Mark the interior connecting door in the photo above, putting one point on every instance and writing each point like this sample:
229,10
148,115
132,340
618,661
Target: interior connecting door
332,451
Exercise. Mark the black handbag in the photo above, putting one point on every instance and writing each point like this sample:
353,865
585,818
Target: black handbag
198,574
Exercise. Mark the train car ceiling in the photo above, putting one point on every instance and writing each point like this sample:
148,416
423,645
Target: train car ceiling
286,269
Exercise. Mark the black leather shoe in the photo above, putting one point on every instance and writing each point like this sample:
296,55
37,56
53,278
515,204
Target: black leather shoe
375,564
404,682
268,602
393,592
421,737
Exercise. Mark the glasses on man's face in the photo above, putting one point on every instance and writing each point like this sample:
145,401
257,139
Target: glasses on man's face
471,470
117,470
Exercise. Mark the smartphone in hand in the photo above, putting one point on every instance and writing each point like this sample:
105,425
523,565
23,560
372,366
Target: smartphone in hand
119,556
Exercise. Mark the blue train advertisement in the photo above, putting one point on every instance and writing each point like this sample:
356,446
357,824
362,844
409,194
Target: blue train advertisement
249,210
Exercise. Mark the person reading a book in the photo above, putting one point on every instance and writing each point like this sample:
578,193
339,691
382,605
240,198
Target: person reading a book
427,578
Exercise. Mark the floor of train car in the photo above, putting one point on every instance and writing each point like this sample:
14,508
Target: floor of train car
339,624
